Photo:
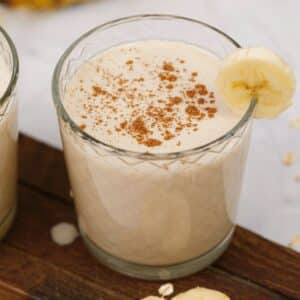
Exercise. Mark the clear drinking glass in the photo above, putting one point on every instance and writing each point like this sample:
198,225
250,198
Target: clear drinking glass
8,132
152,216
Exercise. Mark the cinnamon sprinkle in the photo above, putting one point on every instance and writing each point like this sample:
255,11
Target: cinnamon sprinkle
152,142
202,90
123,124
98,91
162,116
211,110
168,67
138,126
168,135
191,93
167,77
175,100
192,110
169,86
201,101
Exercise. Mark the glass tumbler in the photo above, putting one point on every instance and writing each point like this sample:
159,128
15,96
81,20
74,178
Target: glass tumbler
8,132
152,216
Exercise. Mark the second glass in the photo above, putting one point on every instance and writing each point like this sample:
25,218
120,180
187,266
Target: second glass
8,132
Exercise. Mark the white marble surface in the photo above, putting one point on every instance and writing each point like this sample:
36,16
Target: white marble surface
270,203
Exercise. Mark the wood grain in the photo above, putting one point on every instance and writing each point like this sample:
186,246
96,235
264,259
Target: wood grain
8,293
40,280
265,263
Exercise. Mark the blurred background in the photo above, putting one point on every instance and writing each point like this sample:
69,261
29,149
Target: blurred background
270,203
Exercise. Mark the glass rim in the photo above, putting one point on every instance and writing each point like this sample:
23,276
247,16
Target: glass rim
15,68
57,97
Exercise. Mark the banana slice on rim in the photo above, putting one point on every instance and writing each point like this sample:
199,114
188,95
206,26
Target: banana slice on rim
199,293
256,73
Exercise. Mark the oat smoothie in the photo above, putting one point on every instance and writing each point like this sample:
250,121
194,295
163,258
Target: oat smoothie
8,151
153,97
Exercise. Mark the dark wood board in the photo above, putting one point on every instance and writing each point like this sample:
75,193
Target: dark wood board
33,267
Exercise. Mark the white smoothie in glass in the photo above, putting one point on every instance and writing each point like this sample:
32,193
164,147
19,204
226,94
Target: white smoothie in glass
153,97
8,150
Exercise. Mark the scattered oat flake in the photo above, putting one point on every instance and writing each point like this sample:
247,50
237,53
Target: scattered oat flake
295,243
288,159
201,293
64,233
152,298
166,289
297,177
294,123
71,193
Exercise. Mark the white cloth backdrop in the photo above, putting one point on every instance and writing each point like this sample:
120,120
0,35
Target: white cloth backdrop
270,203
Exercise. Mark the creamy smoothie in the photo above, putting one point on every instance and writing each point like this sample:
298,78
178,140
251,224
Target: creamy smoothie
153,97
8,152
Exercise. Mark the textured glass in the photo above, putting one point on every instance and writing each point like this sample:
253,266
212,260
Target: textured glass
8,137
152,209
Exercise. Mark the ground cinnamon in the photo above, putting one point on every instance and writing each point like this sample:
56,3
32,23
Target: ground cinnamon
160,115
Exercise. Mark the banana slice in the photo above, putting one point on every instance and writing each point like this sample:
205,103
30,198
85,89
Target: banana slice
199,293
256,73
